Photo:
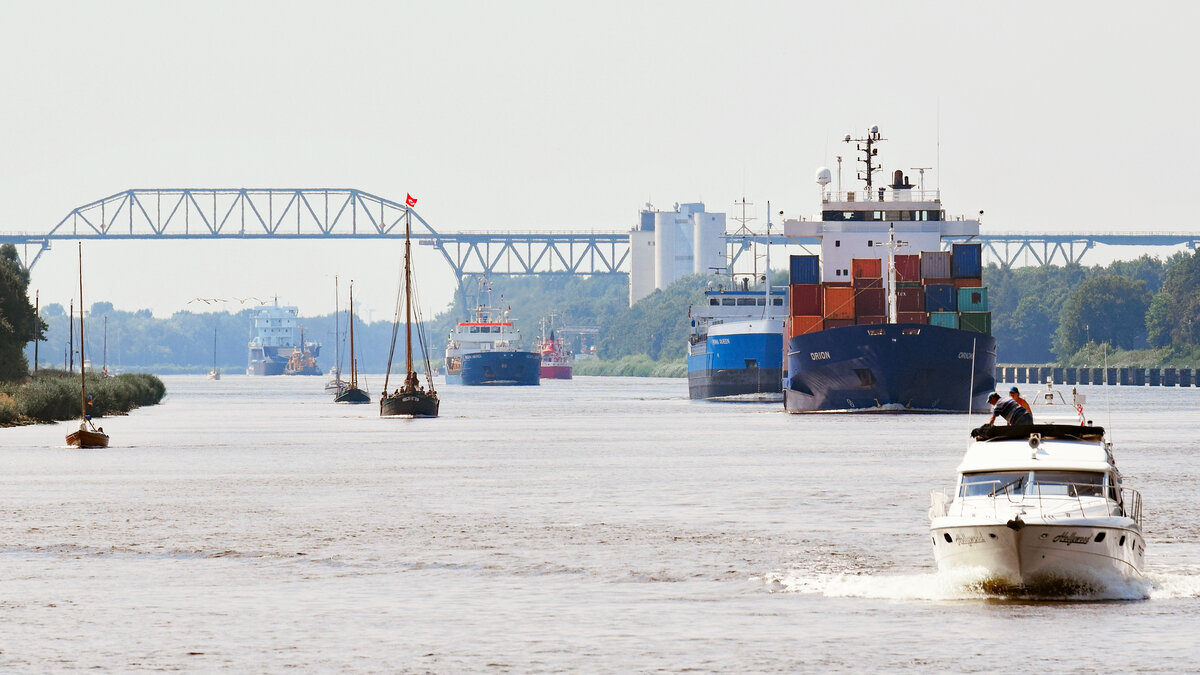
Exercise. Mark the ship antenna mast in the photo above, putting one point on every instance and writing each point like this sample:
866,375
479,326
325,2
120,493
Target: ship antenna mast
744,232
866,146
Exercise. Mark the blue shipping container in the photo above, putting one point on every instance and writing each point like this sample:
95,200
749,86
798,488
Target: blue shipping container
806,269
944,319
941,298
972,300
966,261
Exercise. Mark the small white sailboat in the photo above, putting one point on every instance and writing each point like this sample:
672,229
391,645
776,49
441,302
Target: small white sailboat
215,373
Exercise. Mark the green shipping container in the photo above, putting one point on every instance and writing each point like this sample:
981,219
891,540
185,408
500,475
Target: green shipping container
944,319
980,322
972,299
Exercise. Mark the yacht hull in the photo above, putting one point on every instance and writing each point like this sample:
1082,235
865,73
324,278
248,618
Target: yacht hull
1051,556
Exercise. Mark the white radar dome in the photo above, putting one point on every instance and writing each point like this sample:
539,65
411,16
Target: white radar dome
823,176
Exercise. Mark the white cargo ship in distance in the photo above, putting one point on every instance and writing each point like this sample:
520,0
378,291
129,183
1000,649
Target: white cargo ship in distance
276,339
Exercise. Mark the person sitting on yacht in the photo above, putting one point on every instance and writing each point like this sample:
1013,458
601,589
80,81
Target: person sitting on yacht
1015,394
1012,412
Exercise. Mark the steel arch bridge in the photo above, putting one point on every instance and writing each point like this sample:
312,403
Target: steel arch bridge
346,213
322,214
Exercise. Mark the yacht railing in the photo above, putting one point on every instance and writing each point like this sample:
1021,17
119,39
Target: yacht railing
883,195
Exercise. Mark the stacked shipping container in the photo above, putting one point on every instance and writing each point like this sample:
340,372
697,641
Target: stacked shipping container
941,288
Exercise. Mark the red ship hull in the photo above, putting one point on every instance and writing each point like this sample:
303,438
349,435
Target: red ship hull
556,371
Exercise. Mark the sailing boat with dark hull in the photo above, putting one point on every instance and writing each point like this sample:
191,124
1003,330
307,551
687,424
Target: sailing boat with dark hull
351,392
411,399
87,436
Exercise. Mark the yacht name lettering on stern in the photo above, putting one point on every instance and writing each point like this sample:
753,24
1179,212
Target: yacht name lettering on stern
1069,538
965,355
964,540
819,356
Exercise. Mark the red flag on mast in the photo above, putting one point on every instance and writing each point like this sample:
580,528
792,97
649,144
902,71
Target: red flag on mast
411,200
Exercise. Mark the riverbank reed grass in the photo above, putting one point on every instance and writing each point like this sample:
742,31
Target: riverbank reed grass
639,365
53,395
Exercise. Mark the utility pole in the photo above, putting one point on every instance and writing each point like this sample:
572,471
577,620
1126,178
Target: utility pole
37,320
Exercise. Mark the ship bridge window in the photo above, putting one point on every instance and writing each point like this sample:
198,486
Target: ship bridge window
778,302
760,301
727,301
714,301
474,329
495,329
1067,484
999,482
745,301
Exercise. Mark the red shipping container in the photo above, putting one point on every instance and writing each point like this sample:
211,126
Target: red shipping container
838,323
911,317
871,268
844,284
870,320
805,299
868,282
910,300
908,268
839,302
870,302
971,282
803,325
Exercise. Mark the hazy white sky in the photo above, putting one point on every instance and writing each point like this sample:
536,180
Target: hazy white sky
1065,116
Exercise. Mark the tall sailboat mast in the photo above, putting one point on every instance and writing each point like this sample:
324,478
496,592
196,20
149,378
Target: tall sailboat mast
82,367
353,359
408,297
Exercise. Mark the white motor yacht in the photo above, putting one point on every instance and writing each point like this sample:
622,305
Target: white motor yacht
1040,508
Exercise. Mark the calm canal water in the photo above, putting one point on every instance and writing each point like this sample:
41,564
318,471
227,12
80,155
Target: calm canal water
601,524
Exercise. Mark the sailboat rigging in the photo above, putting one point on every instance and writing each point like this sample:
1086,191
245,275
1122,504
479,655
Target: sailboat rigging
411,399
351,393
88,435
337,384
214,374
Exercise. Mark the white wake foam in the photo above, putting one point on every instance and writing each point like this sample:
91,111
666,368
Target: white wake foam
973,584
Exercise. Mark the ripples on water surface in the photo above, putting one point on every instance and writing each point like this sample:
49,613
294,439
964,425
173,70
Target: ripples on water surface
602,524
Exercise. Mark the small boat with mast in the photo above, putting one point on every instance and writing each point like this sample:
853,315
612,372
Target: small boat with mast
337,384
351,393
88,435
410,399
215,373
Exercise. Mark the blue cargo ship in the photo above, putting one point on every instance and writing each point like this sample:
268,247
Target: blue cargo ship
886,320
735,349
487,352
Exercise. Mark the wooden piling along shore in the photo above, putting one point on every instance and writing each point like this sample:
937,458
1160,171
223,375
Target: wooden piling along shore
1125,377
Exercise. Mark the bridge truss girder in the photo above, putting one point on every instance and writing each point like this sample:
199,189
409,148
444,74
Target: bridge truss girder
533,253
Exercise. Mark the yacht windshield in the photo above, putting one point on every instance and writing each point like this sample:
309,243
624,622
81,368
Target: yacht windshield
1068,483
984,484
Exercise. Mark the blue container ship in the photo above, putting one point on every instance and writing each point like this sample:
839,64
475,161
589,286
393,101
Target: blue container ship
895,323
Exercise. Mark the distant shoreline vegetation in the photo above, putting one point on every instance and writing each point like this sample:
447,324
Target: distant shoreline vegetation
53,396
638,365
